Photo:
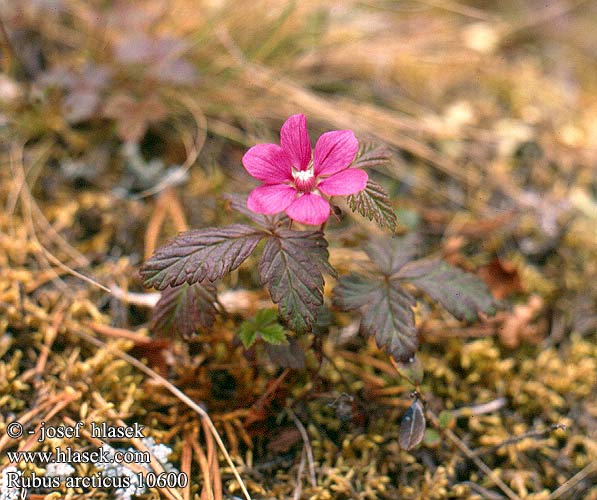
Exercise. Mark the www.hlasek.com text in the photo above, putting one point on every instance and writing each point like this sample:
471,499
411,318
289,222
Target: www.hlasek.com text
102,455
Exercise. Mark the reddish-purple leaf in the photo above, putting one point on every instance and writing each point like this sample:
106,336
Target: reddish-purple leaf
182,309
390,254
291,266
372,155
200,254
374,204
386,310
461,293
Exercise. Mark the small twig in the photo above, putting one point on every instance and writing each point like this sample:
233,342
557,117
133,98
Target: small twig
138,299
481,409
305,436
118,333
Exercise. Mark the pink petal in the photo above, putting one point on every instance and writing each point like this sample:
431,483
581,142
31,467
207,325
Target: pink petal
349,181
295,141
309,209
268,163
271,199
334,151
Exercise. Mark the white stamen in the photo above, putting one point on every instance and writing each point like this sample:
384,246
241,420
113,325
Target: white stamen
302,175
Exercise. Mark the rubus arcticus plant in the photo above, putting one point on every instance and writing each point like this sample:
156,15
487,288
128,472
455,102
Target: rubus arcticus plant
298,184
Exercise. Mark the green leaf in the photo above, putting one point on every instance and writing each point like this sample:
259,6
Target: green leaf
247,334
265,326
182,309
372,155
273,334
201,254
374,204
291,266
386,310
461,293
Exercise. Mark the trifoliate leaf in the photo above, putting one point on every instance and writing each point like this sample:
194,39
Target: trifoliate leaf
412,426
386,310
291,266
372,155
461,293
273,334
374,204
196,255
182,309
390,254
265,326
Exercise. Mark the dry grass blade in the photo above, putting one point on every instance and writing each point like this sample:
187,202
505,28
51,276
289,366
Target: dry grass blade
307,445
167,203
186,462
299,475
206,492
214,468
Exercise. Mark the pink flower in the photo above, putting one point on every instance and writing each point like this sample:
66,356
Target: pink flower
296,179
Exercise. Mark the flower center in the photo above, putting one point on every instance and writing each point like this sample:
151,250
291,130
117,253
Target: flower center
304,180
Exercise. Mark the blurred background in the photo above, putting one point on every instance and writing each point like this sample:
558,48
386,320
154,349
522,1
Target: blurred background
123,122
